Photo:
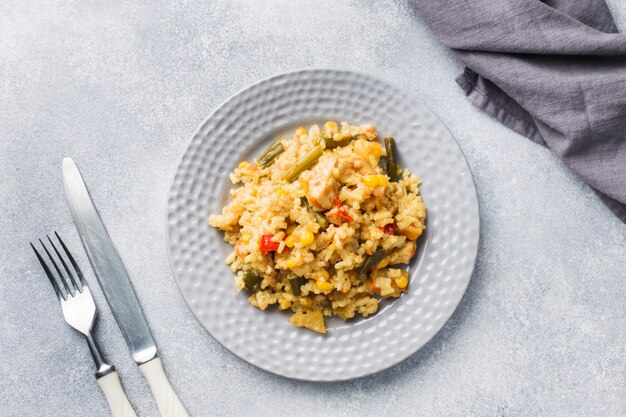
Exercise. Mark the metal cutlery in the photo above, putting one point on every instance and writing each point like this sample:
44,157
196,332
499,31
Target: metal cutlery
79,311
117,288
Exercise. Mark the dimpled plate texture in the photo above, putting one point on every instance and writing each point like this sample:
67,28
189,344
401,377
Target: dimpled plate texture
440,272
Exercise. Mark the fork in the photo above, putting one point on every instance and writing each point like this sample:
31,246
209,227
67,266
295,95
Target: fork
79,311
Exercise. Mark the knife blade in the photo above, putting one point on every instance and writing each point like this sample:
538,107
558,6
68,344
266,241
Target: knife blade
118,290
107,266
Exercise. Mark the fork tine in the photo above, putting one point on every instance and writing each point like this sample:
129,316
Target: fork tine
67,269
53,281
63,279
72,261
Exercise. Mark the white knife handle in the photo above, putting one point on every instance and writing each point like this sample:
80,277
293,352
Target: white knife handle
166,399
113,392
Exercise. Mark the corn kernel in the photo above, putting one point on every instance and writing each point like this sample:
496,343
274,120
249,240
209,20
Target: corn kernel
330,128
244,165
323,285
402,282
291,241
304,186
300,131
285,304
291,263
323,274
375,180
370,180
306,238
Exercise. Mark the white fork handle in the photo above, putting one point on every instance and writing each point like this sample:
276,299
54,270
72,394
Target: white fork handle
113,392
166,399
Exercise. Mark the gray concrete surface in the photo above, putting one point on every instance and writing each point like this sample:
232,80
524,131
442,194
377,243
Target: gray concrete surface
121,87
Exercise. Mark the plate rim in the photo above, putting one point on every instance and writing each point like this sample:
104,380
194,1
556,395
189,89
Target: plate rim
475,241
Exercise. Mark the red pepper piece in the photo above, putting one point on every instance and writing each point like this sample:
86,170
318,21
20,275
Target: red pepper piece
390,229
342,211
268,245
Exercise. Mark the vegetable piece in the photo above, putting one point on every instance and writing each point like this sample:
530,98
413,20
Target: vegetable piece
269,154
392,167
296,282
375,180
389,282
371,262
389,229
313,320
323,285
292,263
291,241
252,280
342,211
321,219
267,244
303,164
323,274
307,237
330,143
330,128
412,232
402,282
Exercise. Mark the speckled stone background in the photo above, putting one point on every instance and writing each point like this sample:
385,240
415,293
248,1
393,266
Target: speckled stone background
121,87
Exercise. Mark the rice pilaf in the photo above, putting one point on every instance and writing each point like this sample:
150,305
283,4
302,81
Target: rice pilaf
321,224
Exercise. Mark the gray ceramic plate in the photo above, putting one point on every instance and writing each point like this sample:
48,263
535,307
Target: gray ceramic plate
244,125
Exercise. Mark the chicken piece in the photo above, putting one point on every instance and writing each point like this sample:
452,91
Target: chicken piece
403,254
322,183
370,151
333,216
411,216
353,168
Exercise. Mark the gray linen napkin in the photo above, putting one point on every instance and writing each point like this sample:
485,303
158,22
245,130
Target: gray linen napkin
553,71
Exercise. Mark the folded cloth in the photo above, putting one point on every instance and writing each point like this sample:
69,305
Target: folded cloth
553,71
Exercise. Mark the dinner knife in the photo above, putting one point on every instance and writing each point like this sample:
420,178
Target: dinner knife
118,290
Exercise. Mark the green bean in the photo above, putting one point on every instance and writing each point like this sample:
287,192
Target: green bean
371,262
392,167
321,219
268,155
252,280
296,282
304,163
330,143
